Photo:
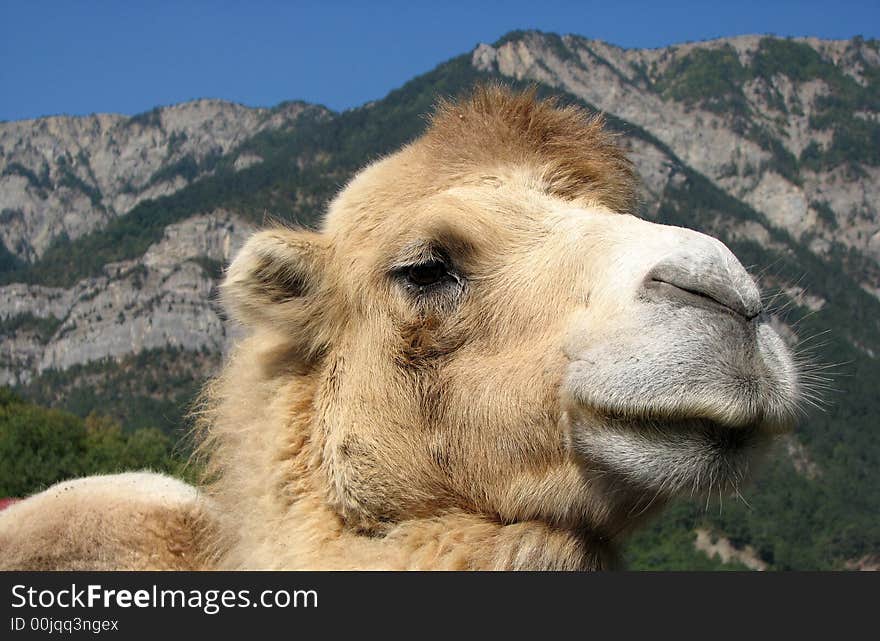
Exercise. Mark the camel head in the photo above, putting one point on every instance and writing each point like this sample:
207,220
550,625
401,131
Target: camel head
482,325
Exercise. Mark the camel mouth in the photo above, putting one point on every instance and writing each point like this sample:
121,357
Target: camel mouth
721,435
726,432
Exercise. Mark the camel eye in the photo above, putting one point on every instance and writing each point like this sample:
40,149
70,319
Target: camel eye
433,272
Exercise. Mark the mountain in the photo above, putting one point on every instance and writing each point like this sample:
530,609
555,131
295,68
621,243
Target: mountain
66,177
115,231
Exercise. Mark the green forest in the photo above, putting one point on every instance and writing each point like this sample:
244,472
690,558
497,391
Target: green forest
39,447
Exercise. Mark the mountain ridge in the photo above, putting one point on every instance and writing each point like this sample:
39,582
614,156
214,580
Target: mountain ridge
67,176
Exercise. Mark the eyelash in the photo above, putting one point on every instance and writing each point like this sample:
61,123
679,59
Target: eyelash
428,277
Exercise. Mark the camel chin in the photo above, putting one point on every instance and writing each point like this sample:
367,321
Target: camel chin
672,456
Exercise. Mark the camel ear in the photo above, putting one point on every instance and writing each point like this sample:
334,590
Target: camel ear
274,277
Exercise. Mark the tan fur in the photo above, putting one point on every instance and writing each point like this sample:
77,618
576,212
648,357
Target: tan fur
133,521
363,425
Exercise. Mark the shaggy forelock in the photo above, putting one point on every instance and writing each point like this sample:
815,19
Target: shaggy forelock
576,155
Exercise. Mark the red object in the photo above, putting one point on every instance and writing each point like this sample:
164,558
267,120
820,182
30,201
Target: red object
5,503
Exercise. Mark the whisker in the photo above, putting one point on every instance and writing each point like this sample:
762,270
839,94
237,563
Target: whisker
741,497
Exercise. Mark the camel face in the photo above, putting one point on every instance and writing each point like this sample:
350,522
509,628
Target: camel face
484,327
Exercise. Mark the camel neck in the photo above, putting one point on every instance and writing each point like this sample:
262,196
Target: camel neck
471,542
313,537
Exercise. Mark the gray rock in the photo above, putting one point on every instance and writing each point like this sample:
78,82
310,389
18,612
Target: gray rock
163,299
72,175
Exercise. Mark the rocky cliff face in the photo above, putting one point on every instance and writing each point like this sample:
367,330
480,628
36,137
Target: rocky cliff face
162,299
67,176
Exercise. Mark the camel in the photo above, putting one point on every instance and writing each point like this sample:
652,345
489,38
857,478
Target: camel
482,360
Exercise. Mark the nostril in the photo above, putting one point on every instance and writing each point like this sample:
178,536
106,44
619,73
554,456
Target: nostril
696,297
705,284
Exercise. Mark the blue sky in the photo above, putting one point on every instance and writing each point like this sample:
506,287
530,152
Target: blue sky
129,56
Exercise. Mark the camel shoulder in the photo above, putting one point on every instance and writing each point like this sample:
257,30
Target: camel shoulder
132,521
